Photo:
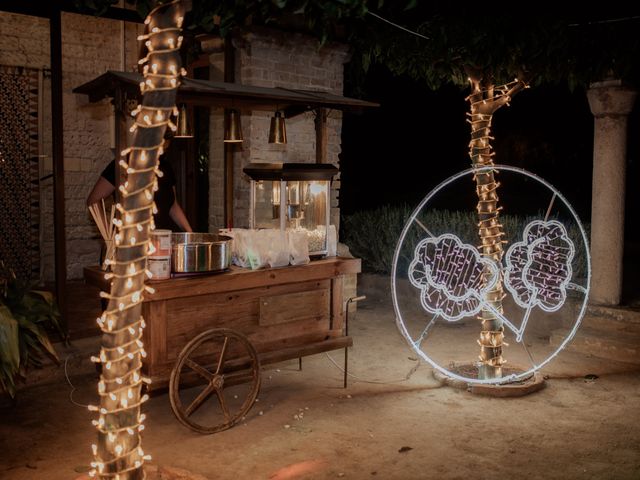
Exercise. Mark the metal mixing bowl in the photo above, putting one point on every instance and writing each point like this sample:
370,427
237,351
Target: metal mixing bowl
200,252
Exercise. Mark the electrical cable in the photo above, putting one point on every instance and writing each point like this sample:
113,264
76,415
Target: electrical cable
378,382
73,388
397,26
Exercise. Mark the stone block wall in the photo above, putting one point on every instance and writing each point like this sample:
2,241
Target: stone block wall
90,46
269,58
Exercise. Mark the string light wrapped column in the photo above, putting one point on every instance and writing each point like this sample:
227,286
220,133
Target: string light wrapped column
118,453
483,104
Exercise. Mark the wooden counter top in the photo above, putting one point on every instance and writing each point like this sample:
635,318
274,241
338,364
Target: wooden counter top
236,278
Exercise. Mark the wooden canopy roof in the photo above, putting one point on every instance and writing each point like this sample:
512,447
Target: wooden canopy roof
227,95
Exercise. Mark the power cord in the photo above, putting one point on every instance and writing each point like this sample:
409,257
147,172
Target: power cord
73,388
378,382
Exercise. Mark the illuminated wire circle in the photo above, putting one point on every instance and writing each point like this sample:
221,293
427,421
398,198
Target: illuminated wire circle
422,252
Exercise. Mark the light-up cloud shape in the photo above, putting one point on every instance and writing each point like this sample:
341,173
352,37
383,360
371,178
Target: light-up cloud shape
452,276
538,268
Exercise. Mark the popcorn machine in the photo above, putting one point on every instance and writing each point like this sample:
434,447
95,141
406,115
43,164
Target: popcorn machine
292,196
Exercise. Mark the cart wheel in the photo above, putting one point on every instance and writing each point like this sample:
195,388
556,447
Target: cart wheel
227,364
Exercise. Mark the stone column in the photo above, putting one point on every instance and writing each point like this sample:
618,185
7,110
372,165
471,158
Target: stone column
610,102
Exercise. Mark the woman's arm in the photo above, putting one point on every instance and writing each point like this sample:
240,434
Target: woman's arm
178,216
102,189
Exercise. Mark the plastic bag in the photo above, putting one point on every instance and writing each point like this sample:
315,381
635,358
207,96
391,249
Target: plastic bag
277,248
332,241
298,248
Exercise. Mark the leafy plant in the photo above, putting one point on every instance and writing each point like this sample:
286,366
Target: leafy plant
26,316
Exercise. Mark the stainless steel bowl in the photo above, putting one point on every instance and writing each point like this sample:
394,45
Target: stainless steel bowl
200,252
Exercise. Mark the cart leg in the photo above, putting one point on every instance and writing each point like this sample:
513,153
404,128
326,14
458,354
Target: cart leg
346,332
300,364
346,365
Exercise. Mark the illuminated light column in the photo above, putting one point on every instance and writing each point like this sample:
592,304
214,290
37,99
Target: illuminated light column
610,102
118,453
483,104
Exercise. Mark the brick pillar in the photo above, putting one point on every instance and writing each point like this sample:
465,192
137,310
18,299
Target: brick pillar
610,103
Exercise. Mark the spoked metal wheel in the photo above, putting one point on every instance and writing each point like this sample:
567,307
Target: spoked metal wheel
215,380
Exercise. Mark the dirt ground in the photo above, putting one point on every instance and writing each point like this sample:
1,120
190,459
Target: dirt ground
414,429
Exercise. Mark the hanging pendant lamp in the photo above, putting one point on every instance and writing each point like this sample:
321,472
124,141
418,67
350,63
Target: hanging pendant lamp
183,130
233,128
277,131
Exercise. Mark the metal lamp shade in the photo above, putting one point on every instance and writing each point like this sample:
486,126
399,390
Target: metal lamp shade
277,131
233,128
183,130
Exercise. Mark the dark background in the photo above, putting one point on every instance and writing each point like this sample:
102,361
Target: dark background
417,138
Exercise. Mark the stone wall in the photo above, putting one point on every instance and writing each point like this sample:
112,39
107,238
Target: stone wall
90,46
269,58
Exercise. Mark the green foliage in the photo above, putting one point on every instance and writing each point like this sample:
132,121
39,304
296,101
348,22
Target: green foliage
26,316
373,234
544,46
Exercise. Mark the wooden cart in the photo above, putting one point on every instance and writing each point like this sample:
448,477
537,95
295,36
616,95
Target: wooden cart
218,330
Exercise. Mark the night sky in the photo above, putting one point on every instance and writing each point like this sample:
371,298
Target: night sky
396,154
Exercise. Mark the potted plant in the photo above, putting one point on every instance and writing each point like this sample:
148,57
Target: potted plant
26,317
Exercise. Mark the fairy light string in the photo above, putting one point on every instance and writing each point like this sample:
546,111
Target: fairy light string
118,453
483,104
